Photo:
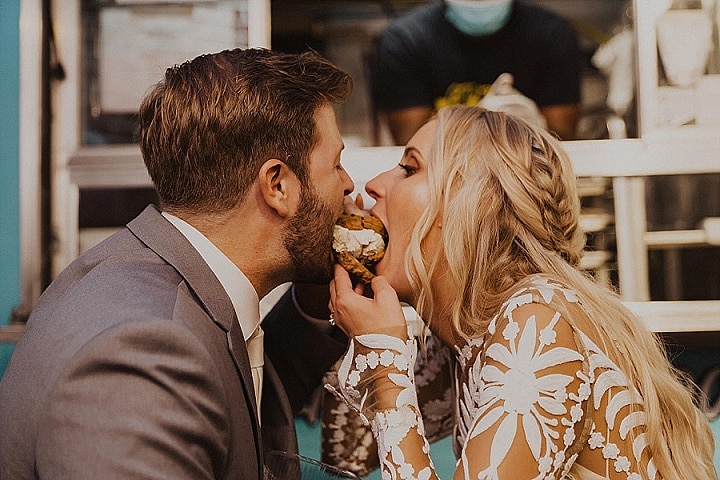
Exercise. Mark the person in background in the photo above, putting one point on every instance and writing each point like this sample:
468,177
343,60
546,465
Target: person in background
144,358
451,52
555,377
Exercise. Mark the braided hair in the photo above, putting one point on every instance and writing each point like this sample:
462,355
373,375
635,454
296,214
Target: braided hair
505,194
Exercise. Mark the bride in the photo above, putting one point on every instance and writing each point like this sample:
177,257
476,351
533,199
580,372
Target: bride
555,377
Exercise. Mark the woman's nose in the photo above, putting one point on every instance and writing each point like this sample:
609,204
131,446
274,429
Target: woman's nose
374,187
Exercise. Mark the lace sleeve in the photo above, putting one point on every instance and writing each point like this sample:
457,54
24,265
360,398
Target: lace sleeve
524,398
376,379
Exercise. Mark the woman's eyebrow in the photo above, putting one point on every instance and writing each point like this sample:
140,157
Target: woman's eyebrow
409,150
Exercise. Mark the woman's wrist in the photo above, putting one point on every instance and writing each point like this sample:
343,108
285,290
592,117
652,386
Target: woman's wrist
379,373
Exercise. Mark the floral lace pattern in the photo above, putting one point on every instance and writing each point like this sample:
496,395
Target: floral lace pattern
349,444
536,394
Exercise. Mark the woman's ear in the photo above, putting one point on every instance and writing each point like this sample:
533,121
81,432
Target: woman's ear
279,186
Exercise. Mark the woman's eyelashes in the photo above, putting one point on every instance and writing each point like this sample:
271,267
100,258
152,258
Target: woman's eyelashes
409,169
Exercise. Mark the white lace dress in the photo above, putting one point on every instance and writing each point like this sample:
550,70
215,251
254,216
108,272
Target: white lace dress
537,398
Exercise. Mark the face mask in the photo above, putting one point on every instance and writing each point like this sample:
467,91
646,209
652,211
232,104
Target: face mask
478,18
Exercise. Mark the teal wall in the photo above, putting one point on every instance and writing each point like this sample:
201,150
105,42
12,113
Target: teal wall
9,176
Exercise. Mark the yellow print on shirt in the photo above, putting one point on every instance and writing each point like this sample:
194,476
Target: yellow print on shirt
466,93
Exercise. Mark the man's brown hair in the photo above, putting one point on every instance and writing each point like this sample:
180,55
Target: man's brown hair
206,129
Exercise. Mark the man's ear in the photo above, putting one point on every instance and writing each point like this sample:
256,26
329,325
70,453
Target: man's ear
278,185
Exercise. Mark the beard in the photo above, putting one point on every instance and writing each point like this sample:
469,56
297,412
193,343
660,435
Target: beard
308,239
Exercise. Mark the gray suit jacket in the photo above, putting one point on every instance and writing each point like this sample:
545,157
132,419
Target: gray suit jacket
133,365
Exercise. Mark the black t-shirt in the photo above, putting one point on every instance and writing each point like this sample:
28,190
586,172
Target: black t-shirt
420,55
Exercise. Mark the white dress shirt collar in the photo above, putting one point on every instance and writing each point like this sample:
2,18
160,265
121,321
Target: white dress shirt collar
241,292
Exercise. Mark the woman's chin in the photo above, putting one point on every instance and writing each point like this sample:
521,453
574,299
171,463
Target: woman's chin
392,269
399,283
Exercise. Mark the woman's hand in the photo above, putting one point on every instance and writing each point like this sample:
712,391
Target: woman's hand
356,314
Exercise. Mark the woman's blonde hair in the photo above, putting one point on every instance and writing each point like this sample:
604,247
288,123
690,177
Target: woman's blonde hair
504,193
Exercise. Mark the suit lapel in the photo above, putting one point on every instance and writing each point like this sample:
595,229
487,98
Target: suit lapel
158,234
278,420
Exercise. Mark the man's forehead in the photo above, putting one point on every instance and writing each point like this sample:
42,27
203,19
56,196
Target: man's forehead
327,129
